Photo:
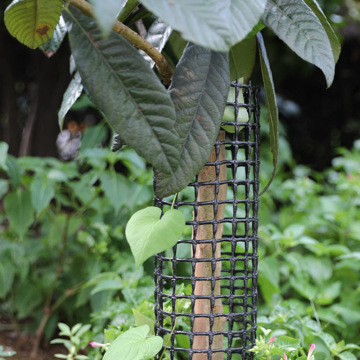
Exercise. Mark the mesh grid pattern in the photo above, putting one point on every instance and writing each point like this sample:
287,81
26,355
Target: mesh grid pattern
206,285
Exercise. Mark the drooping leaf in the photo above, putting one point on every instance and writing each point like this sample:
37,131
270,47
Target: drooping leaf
242,58
53,45
19,210
199,90
42,191
117,143
212,24
134,345
334,41
71,94
115,187
148,235
126,90
33,22
296,24
271,104
106,12
157,35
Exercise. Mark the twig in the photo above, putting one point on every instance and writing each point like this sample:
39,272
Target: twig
165,71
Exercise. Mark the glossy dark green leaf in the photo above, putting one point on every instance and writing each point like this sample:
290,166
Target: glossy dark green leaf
199,90
296,24
273,116
33,22
214,24
242,58
53,45
119,81
334,41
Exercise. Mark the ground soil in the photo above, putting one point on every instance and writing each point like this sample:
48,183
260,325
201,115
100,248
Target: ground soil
22,344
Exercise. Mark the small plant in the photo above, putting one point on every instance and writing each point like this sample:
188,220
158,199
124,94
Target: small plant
74,343
6,352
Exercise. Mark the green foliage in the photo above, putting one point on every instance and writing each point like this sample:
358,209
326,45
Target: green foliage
134,345
199,90
76,341
127,109
148,235
33,22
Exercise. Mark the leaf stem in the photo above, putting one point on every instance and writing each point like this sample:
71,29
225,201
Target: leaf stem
162,65
167,343
174,199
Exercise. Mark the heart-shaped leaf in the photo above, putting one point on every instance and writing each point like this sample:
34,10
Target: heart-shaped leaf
296,24
199,91
33,22
148,235
271,105
133,345
121,84
214,24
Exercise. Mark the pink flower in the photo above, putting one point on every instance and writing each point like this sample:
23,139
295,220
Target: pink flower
96,344
284,356
311,350
271,340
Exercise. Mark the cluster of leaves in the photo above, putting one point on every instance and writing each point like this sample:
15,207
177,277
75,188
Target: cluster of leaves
309,257
173,130
62,224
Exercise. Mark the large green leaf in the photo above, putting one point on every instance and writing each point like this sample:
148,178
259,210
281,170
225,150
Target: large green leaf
296,24
115,187
271,105
199,90
33,22
42,191
19,210
213,24
134,345
106,12
126,90
334,41
242,58
148,235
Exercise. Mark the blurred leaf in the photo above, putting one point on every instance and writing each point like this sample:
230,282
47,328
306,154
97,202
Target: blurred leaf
269,278
93,136
32,22
242,58
212,24
42,191
115,187
111,284
19,210
14,171
347,355
106,12
141,319
4,147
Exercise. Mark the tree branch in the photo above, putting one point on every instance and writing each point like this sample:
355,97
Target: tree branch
162,65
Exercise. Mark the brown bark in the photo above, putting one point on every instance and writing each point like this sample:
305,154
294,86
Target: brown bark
204,251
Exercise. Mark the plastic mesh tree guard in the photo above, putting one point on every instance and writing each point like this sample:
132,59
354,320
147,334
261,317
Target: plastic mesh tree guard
206,285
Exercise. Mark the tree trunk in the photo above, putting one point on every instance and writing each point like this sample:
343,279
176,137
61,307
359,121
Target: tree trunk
205,251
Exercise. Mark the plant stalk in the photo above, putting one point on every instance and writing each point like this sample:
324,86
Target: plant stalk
165,70
205,251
